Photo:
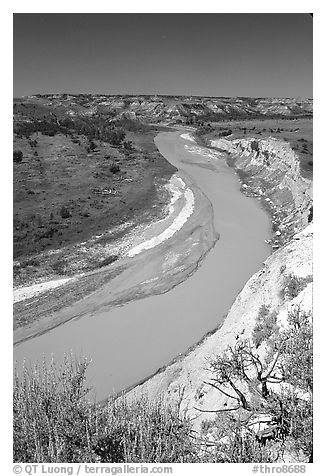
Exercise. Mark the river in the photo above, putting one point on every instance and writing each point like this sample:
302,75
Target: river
126,344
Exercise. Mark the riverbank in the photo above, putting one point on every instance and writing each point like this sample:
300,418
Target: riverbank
270,171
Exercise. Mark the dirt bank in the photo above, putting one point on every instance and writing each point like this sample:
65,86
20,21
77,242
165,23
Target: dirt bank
270,170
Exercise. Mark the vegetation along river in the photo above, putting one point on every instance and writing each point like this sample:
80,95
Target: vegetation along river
128,343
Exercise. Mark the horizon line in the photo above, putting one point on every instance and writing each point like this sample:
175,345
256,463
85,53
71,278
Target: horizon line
159,95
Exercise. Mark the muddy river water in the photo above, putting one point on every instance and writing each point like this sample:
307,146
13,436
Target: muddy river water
126,344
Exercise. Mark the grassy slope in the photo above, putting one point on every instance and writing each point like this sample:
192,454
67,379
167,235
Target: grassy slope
59,172
64,174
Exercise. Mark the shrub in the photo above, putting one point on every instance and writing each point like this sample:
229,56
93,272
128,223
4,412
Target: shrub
297,366
64,212
255,145
225,133
30,262
107,261
252,383
311,214
116,136
293,285
115,168
48,232
96,263
298,350
234,445
204,129
127,145
91,146
265,326
18,156
33,143
59,266
50,413
282,268
133,125
55,422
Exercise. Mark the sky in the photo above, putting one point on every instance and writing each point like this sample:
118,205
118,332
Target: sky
257,55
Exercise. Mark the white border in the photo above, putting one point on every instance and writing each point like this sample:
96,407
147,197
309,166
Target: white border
319,177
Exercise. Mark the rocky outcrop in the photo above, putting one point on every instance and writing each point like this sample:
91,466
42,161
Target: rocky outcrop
270,170
178,109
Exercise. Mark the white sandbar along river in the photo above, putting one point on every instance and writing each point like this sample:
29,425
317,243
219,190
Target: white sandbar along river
129,343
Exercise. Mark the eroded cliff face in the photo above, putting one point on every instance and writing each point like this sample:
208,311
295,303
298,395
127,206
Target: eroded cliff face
178,109
270,170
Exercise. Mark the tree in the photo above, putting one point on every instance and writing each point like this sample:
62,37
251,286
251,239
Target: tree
115,168
64,212
127,145
18,156
274,390
91,146
116,136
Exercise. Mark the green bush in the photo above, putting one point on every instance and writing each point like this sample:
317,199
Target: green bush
64,212
293,285
233,445
265,326
54,421
59,266
278,384
127,145
107,261
115,136
18,156
255,145
297,368
91,146
115,168
225,133
298,350
204,129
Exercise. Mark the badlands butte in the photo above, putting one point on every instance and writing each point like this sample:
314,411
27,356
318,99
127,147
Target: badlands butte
93,195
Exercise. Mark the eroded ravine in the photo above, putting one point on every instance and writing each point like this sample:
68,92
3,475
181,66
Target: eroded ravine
128,343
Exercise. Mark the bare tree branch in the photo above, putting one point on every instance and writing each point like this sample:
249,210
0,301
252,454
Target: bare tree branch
222,391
